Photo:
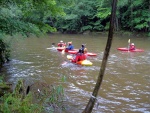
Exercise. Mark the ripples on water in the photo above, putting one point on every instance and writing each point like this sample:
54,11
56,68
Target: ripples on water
125,87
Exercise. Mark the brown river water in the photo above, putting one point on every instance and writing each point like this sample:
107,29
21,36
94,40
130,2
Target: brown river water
126,83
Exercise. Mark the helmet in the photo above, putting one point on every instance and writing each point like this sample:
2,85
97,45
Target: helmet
132,44
61,41
83,45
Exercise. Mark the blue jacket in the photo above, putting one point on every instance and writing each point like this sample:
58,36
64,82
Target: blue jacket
70,47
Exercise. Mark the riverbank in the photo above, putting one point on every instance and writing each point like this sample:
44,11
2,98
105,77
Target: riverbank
116,33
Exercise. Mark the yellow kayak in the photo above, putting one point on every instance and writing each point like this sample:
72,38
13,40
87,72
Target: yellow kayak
83,62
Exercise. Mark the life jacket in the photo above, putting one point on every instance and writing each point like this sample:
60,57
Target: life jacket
70,47
82,48
82,57
132,47
79,57
61,44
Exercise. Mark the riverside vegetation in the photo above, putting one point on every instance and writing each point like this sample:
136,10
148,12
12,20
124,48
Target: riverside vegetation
36,98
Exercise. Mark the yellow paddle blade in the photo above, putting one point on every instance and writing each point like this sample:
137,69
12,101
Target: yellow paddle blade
69,57
129,41
63,51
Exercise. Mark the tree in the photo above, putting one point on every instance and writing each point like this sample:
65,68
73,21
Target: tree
134,15
92,100
26,17
80,16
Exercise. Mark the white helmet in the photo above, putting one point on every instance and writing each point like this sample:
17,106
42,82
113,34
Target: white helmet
132,44
61,41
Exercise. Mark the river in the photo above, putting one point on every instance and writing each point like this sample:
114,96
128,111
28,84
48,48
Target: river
126,83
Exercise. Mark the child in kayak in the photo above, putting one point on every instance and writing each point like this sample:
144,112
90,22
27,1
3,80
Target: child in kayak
132,46
79,57
70,46
61,44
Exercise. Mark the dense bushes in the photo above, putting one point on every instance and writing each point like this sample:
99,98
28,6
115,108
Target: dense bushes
25,17
94,16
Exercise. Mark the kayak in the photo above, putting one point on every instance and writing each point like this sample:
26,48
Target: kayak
83,62
72,52
88,54
126,49
91,54
62,48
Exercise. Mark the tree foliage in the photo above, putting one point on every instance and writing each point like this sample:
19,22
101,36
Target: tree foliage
26,17
95,16
134,15
80,16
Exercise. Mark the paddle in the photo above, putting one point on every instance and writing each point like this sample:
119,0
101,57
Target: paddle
69,57
63,51
128,45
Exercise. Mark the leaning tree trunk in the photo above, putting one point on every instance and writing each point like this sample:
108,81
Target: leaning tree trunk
92,100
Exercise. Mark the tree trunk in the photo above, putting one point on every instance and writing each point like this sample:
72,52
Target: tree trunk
117,24
131,12
92,100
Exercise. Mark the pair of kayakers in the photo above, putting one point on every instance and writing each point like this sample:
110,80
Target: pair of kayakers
69,47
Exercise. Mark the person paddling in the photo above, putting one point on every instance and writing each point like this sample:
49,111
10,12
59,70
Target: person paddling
79,57
61,44
70,46
132,46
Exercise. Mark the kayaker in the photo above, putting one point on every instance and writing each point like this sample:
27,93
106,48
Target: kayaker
61,44
79,57
70,46
132,46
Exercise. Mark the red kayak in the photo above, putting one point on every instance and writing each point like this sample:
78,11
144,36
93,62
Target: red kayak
62,48
126,49
91,54
72,52
88,54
